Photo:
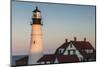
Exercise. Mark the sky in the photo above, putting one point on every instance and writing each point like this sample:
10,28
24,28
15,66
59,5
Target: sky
60,21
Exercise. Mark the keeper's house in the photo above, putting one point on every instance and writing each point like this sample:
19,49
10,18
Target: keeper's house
72,51
68,52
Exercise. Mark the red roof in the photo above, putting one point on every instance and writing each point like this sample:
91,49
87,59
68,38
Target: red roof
62,46
67,58
49,57
78,45
60,58
82,45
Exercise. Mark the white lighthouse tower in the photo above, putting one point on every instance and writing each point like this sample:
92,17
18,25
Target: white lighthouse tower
36,48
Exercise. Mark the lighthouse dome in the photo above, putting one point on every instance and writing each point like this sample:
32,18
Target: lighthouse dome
36,10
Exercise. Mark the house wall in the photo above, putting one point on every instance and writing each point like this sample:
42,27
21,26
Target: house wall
56,61
71,49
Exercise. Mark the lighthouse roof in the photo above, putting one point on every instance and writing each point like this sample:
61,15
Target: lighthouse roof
36,10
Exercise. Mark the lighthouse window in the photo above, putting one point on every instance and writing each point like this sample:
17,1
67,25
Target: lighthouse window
34,42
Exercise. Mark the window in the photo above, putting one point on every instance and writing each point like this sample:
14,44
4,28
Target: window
42,63
74,52
61,50
89,50
34,42
71,52
48,62
71,45
68,52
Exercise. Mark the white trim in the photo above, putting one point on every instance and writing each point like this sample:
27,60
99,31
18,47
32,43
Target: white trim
56,61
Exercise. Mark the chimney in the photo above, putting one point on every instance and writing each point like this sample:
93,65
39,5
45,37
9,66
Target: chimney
75,39
66,40
85,39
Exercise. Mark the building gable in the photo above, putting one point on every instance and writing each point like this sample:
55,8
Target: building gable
72,50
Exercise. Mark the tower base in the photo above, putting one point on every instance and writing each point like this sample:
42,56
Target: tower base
33,58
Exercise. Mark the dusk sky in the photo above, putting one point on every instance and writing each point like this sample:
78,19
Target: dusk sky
60,21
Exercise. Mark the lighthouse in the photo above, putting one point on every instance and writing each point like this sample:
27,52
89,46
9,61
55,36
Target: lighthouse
36,47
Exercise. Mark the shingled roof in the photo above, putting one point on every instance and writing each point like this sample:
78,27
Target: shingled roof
48,57
60,58
67,58
82,45
64,45
78,44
